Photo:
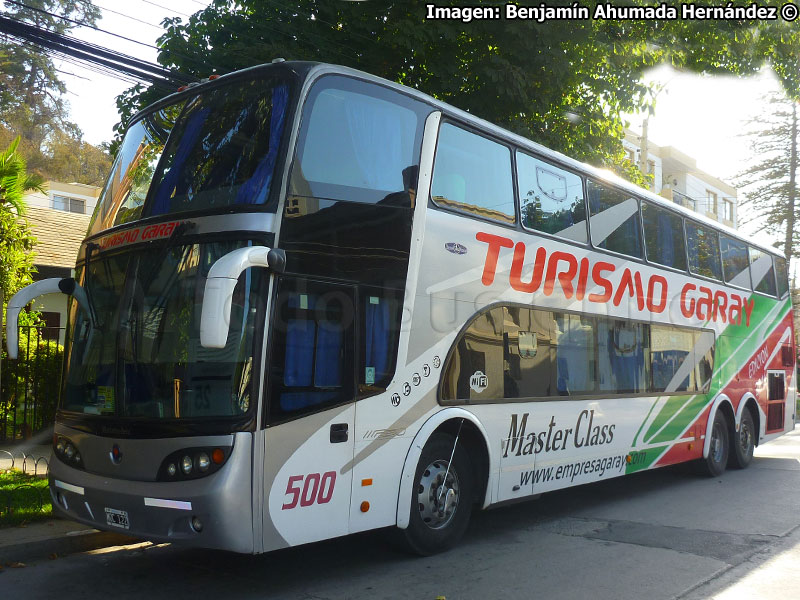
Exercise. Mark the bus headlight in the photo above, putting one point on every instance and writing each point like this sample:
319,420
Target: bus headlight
67,452
191,463
203,461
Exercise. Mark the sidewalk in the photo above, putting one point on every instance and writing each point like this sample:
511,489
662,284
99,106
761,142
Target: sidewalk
53,538
45,539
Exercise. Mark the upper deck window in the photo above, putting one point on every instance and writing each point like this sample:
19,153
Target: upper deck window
223,150
614,220
551,199
663,237
358,142
703,244
472,174
125,191
735,263
782,276
762,272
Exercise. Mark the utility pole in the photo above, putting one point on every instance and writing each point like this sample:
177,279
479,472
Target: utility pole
643,147
792,200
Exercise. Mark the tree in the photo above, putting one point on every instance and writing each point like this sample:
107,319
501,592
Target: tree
32,102
770,184
16,240
562,83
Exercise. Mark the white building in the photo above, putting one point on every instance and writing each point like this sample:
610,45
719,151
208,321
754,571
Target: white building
59,219
677,178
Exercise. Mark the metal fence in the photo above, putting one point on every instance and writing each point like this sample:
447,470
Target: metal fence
30,385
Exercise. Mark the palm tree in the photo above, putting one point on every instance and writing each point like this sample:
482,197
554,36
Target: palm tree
14,180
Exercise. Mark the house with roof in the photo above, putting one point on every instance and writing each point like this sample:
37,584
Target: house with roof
59,219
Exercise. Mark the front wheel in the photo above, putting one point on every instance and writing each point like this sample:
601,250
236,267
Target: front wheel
441,501
714,464
743,442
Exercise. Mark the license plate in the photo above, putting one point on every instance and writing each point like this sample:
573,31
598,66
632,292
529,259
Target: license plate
117,518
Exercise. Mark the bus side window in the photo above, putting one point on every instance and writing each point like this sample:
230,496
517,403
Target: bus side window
472,174
551,199
663,237
704,256
622,348
761,272
312,348
614,221
380,327
735,263
782,275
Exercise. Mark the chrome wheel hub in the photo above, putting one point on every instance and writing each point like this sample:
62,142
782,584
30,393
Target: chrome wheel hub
437,498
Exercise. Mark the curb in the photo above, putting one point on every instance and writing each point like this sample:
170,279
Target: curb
76,541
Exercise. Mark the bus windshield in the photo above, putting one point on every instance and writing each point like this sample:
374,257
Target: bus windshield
140,357
209,152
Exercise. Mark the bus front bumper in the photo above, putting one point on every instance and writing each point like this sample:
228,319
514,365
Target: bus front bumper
210,512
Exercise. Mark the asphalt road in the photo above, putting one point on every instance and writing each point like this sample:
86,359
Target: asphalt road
661,534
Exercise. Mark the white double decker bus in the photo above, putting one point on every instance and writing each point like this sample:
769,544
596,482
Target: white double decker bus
312,302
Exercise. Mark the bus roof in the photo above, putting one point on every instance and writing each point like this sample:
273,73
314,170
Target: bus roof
315,69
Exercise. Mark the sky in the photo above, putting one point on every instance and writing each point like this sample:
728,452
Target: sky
701,116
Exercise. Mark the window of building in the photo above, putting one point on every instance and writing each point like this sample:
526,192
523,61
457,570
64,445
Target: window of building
735,262
782,275
614,221
518,352
68,204
712,202
472,174
551,199
727,210
703,245
663,237
762,273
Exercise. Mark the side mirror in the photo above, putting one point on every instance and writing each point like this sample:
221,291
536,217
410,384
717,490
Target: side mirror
215,314
19,301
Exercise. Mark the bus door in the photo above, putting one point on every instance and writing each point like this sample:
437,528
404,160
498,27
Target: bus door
310,413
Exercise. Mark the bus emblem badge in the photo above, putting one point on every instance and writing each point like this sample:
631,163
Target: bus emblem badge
479,381
395,399
115,455
455,248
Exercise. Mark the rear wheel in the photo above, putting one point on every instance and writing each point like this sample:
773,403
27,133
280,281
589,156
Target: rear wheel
743,442
441,501
714,464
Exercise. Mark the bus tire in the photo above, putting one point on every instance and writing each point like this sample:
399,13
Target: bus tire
743,442
439,516
719,447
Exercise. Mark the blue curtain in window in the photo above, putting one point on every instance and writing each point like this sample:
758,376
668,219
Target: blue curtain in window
300,335
328,365
377,140
666,241
192,130
255,189
377,338
627,358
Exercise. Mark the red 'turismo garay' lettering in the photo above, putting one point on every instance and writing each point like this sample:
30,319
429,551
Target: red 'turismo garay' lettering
575,276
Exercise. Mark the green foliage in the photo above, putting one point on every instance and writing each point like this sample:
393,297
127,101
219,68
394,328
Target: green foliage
564,84
16,240
32,96
770,184
33,380
23,498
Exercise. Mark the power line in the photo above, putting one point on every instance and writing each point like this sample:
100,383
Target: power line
98,55
172,10
80,23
